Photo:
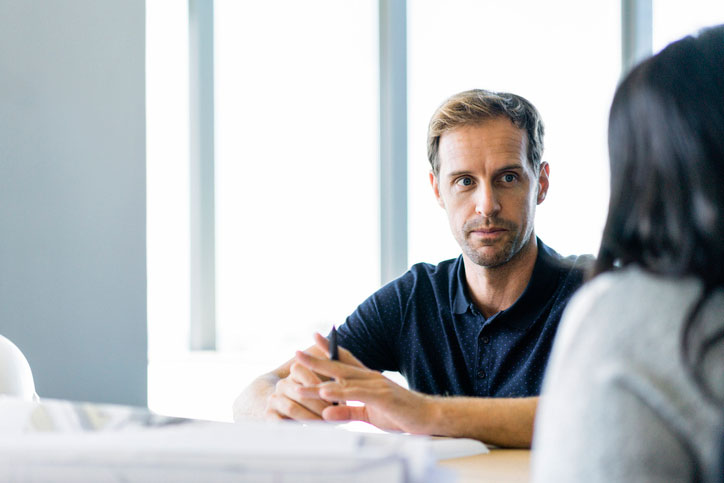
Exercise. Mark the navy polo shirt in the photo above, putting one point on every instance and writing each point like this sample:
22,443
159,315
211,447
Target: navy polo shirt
426,326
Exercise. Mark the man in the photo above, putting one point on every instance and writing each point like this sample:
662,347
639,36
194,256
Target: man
471,335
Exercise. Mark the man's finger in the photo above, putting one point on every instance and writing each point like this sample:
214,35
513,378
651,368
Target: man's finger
368,391
329,368
345,413
344,355
288,408
271,415
287,388
303,376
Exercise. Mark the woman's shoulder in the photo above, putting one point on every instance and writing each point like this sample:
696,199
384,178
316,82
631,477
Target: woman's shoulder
619,310
616,370
634,280
633,291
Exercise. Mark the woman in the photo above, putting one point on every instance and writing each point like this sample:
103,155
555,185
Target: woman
635,388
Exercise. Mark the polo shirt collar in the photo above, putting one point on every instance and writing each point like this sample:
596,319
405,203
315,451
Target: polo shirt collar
532,301
462,301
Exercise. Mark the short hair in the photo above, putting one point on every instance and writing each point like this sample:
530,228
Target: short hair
476,106
666,150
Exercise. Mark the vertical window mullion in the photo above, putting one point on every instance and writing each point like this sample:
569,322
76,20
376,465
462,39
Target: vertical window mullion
393,138
201,180
636,32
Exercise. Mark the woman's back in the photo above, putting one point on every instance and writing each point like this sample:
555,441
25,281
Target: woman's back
619,402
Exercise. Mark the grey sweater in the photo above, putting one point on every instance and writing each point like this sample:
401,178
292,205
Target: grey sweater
618,403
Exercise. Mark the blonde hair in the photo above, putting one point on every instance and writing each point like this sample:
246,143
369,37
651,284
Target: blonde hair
477,106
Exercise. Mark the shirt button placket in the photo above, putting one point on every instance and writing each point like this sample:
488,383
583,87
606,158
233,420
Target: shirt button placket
480,375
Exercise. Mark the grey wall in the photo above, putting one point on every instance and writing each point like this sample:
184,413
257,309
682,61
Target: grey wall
72,195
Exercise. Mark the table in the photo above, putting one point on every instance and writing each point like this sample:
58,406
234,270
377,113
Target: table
500,465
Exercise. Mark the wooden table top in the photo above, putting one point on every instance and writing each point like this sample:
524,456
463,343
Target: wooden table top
500,465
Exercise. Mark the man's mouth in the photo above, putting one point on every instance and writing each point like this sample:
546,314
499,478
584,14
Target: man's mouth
488,234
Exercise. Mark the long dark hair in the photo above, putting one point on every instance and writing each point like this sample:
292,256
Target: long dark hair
666,149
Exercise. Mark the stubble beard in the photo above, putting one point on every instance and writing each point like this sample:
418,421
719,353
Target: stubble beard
510,246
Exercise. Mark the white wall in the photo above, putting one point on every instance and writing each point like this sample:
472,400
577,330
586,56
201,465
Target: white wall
72,195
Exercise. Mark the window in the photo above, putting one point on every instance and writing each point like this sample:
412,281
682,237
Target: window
296,183
296,188
167,176
673,20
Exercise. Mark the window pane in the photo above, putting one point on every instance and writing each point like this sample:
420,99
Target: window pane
296,170
562,55
673,20
167,177
167,209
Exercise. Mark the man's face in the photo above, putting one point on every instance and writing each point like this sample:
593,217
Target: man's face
489,189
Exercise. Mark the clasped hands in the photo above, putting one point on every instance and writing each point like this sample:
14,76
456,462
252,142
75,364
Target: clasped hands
315,383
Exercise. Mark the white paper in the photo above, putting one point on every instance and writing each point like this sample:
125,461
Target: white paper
64,441
441,447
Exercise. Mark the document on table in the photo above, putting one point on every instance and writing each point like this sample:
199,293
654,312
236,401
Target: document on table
64,441
441,447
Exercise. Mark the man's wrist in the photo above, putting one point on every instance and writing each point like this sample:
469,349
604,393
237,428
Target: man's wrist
431,414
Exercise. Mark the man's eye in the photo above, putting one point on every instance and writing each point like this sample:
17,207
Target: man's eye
509,177
465,181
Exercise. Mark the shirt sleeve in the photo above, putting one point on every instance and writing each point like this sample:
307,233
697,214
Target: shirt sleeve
371,332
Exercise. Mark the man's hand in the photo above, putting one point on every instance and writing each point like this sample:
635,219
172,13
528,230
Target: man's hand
273,395
299,390
386,404
287,402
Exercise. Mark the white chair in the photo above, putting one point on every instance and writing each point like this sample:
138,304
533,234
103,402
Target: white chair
16,378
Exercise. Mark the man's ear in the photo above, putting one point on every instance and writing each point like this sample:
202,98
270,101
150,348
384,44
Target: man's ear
543,173
436,189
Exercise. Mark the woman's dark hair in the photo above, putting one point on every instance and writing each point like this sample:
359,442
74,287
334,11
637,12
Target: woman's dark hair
666,150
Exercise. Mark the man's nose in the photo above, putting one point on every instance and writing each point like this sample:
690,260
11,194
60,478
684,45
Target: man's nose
486,202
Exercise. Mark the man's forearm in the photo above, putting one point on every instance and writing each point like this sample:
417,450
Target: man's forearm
500,421
252,401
